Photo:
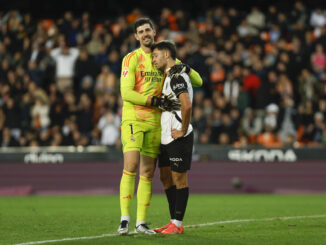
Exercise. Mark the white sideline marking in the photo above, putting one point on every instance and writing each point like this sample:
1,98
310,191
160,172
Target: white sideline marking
188,226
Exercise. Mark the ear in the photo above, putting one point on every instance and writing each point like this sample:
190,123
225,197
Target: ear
154,32
166,54
136,36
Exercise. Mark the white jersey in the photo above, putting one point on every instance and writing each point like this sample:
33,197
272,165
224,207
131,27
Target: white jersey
173,120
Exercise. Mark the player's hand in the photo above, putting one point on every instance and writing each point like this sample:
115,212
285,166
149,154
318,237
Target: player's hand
176,134
166,103
178,69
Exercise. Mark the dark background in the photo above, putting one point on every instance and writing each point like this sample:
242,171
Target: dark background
105,8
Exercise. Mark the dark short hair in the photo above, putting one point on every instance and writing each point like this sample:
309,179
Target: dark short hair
166,45
141,22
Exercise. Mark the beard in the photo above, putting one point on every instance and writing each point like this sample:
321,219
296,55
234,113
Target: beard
149,44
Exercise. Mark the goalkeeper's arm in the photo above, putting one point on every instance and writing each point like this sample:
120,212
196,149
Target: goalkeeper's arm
195,78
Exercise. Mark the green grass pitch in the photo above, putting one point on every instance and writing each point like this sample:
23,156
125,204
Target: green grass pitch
41,218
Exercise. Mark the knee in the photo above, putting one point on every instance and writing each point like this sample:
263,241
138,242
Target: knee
180,180
166,179
131,166
147,171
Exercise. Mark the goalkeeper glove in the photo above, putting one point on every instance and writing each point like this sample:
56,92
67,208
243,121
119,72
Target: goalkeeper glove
166,103
177,69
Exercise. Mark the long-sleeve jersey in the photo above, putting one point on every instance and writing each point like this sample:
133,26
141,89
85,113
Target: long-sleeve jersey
140,79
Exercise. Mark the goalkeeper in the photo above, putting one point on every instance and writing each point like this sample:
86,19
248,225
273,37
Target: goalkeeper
141,86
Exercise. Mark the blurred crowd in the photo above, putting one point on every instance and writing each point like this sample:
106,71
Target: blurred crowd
264,74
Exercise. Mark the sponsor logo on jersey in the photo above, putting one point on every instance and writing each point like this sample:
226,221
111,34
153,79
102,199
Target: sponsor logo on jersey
127,197
125,72
178,86
151,73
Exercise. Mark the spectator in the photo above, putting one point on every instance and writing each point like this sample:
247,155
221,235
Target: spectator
106,81
7,139
84,115
268,138
114,62
251,84
251,125
318,59
13,117
287,122
271,117
65,58
308,86
256,19
318,128
94,45
40,113
267,92
199,122
318,18
109,126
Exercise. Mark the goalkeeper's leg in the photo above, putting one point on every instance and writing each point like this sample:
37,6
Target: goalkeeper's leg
144,192
127,189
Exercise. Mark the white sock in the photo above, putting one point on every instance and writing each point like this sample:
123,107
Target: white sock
140,222
177,223
125,218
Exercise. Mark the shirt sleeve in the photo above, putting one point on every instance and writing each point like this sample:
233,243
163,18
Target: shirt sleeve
127,81
195,78
178,85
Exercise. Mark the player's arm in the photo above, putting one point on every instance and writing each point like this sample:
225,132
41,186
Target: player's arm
127,82
179,87
195,78
185,111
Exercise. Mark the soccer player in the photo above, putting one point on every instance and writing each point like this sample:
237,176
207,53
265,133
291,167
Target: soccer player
141,87
177,136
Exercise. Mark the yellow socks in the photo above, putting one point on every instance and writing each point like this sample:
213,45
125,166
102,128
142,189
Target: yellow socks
144,194
127,189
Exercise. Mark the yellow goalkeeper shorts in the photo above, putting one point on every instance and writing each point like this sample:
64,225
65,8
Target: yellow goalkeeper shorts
142,137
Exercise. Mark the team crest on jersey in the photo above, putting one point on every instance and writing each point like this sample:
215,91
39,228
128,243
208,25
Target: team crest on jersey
125,72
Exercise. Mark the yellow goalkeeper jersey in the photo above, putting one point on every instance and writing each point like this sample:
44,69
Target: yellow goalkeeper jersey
139,79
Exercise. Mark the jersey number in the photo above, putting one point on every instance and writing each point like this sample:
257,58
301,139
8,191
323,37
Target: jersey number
131,129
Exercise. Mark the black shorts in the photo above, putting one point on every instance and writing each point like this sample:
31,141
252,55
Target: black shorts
177,154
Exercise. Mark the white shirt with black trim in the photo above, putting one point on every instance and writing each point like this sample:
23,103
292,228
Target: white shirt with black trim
169,120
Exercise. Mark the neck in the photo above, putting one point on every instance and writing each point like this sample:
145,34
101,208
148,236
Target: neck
147,50
169,64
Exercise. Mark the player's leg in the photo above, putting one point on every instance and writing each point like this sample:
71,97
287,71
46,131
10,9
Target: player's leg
180,153
149,153
169,187
144,192
132,139
127,188
182,194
